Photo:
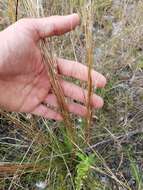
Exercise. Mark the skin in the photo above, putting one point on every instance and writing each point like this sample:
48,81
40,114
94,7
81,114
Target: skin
24,83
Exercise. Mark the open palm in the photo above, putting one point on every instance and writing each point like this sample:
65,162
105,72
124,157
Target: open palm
23,77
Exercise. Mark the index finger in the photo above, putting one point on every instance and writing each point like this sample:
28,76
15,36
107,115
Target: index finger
54,25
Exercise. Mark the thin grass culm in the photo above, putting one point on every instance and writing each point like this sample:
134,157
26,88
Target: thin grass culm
104,150
34,9
50,62
88,29
68,146
11,11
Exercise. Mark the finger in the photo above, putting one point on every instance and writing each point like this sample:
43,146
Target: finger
54,25
77,93
79,71
73,107
45,112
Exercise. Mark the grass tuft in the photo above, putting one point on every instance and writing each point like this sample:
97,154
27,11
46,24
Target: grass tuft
107,145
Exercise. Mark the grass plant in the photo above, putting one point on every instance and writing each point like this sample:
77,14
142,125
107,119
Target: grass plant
107,145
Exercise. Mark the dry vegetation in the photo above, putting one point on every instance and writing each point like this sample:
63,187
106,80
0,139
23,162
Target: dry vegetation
38,152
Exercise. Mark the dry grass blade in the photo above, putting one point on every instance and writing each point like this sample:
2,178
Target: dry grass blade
13,10
88,26
10,169
11,13
51,65
29,130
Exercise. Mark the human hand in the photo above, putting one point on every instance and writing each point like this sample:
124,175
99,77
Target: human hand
24,83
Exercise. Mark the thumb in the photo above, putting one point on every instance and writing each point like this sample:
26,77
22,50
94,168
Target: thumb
54,25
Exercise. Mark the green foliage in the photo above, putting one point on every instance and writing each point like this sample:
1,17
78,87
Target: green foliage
83,168
77,2
105,93
96,185
67,144
100,4
140,63
100,7
136,173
